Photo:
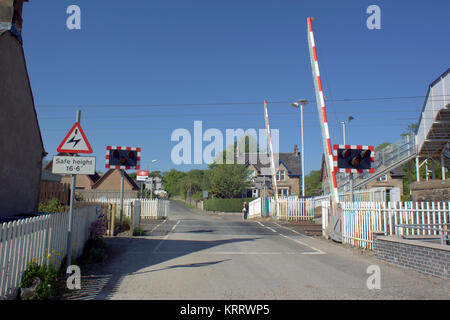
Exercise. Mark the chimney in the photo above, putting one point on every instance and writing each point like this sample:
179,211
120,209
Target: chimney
295,150
11,17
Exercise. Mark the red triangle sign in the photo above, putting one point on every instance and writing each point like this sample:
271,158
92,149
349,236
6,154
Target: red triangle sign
75,141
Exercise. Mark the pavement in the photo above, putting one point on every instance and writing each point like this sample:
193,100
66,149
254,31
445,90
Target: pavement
197,256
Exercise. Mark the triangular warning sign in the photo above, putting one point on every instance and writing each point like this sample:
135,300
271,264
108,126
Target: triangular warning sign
75,141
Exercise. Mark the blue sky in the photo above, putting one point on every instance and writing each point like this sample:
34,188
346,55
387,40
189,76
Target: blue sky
132,55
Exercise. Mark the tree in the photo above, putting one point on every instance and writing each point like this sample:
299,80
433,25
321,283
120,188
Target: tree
312,183
229,180
133,176
172,181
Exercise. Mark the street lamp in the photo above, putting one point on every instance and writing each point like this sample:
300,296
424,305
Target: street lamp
151,183
350,118
350,176
302,103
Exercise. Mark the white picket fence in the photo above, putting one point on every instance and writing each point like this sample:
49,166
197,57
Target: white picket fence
154,209
287,208
42,240
149,209
360,219
255,209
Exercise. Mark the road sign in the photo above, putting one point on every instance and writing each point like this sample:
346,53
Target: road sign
75,141
142,175
73,165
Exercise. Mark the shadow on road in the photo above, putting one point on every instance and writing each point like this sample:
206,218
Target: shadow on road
131,255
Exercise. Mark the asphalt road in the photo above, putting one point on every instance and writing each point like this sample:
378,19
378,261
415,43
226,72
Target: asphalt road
192,255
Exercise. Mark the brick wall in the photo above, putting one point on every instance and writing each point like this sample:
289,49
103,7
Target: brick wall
428,258
431,190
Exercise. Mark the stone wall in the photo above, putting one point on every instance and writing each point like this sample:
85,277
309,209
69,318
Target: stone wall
424,257
431,190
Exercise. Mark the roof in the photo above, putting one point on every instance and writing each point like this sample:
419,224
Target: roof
108,173
289,159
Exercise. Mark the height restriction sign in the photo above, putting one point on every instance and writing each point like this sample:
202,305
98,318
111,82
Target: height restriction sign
75,141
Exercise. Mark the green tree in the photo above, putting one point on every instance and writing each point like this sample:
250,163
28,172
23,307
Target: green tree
172,181
133,175
313,185
229,180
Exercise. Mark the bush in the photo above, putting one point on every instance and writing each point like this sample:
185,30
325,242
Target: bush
53,205
225,205
43,278
94,251
138,232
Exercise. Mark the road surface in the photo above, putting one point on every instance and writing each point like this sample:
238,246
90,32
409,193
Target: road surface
192,255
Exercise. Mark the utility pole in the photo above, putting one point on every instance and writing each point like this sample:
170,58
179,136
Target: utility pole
122,173
72,200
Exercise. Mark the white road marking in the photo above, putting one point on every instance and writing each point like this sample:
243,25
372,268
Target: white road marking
316,251
158,225
173,228
160,243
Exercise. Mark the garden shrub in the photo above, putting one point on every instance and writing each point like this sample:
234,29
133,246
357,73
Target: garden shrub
225,205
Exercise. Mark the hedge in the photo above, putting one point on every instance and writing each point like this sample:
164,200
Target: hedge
225,205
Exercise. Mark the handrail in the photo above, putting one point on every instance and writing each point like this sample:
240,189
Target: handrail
442,231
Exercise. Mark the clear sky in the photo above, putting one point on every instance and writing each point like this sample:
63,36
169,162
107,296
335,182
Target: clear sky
140,69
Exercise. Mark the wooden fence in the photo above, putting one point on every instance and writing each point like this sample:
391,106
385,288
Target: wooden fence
42,240
52,189
360,219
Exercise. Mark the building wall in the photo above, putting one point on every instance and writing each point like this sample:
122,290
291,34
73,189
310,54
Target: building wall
82,181
20,138
431,190
292,183
112,182
390,183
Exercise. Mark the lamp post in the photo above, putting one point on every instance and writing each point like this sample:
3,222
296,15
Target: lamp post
350,118
151,185
302,103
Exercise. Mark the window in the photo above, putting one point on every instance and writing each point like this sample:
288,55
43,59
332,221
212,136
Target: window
383,178
281,175
255,193
283,192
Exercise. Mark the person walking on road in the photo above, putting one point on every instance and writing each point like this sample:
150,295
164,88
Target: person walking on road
244,211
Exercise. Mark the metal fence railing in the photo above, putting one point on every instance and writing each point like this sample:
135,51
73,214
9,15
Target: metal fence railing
360,219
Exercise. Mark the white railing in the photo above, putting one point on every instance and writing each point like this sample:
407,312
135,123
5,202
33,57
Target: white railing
436,100
287,208
154,209
150,209
255,209
42,240
361,219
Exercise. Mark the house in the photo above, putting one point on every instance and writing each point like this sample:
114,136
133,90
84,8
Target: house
20,136
111,181
288,173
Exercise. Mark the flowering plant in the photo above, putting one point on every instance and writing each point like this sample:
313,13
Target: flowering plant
98,228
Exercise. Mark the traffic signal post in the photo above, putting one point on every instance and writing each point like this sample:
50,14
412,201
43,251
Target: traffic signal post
353,159
122,158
